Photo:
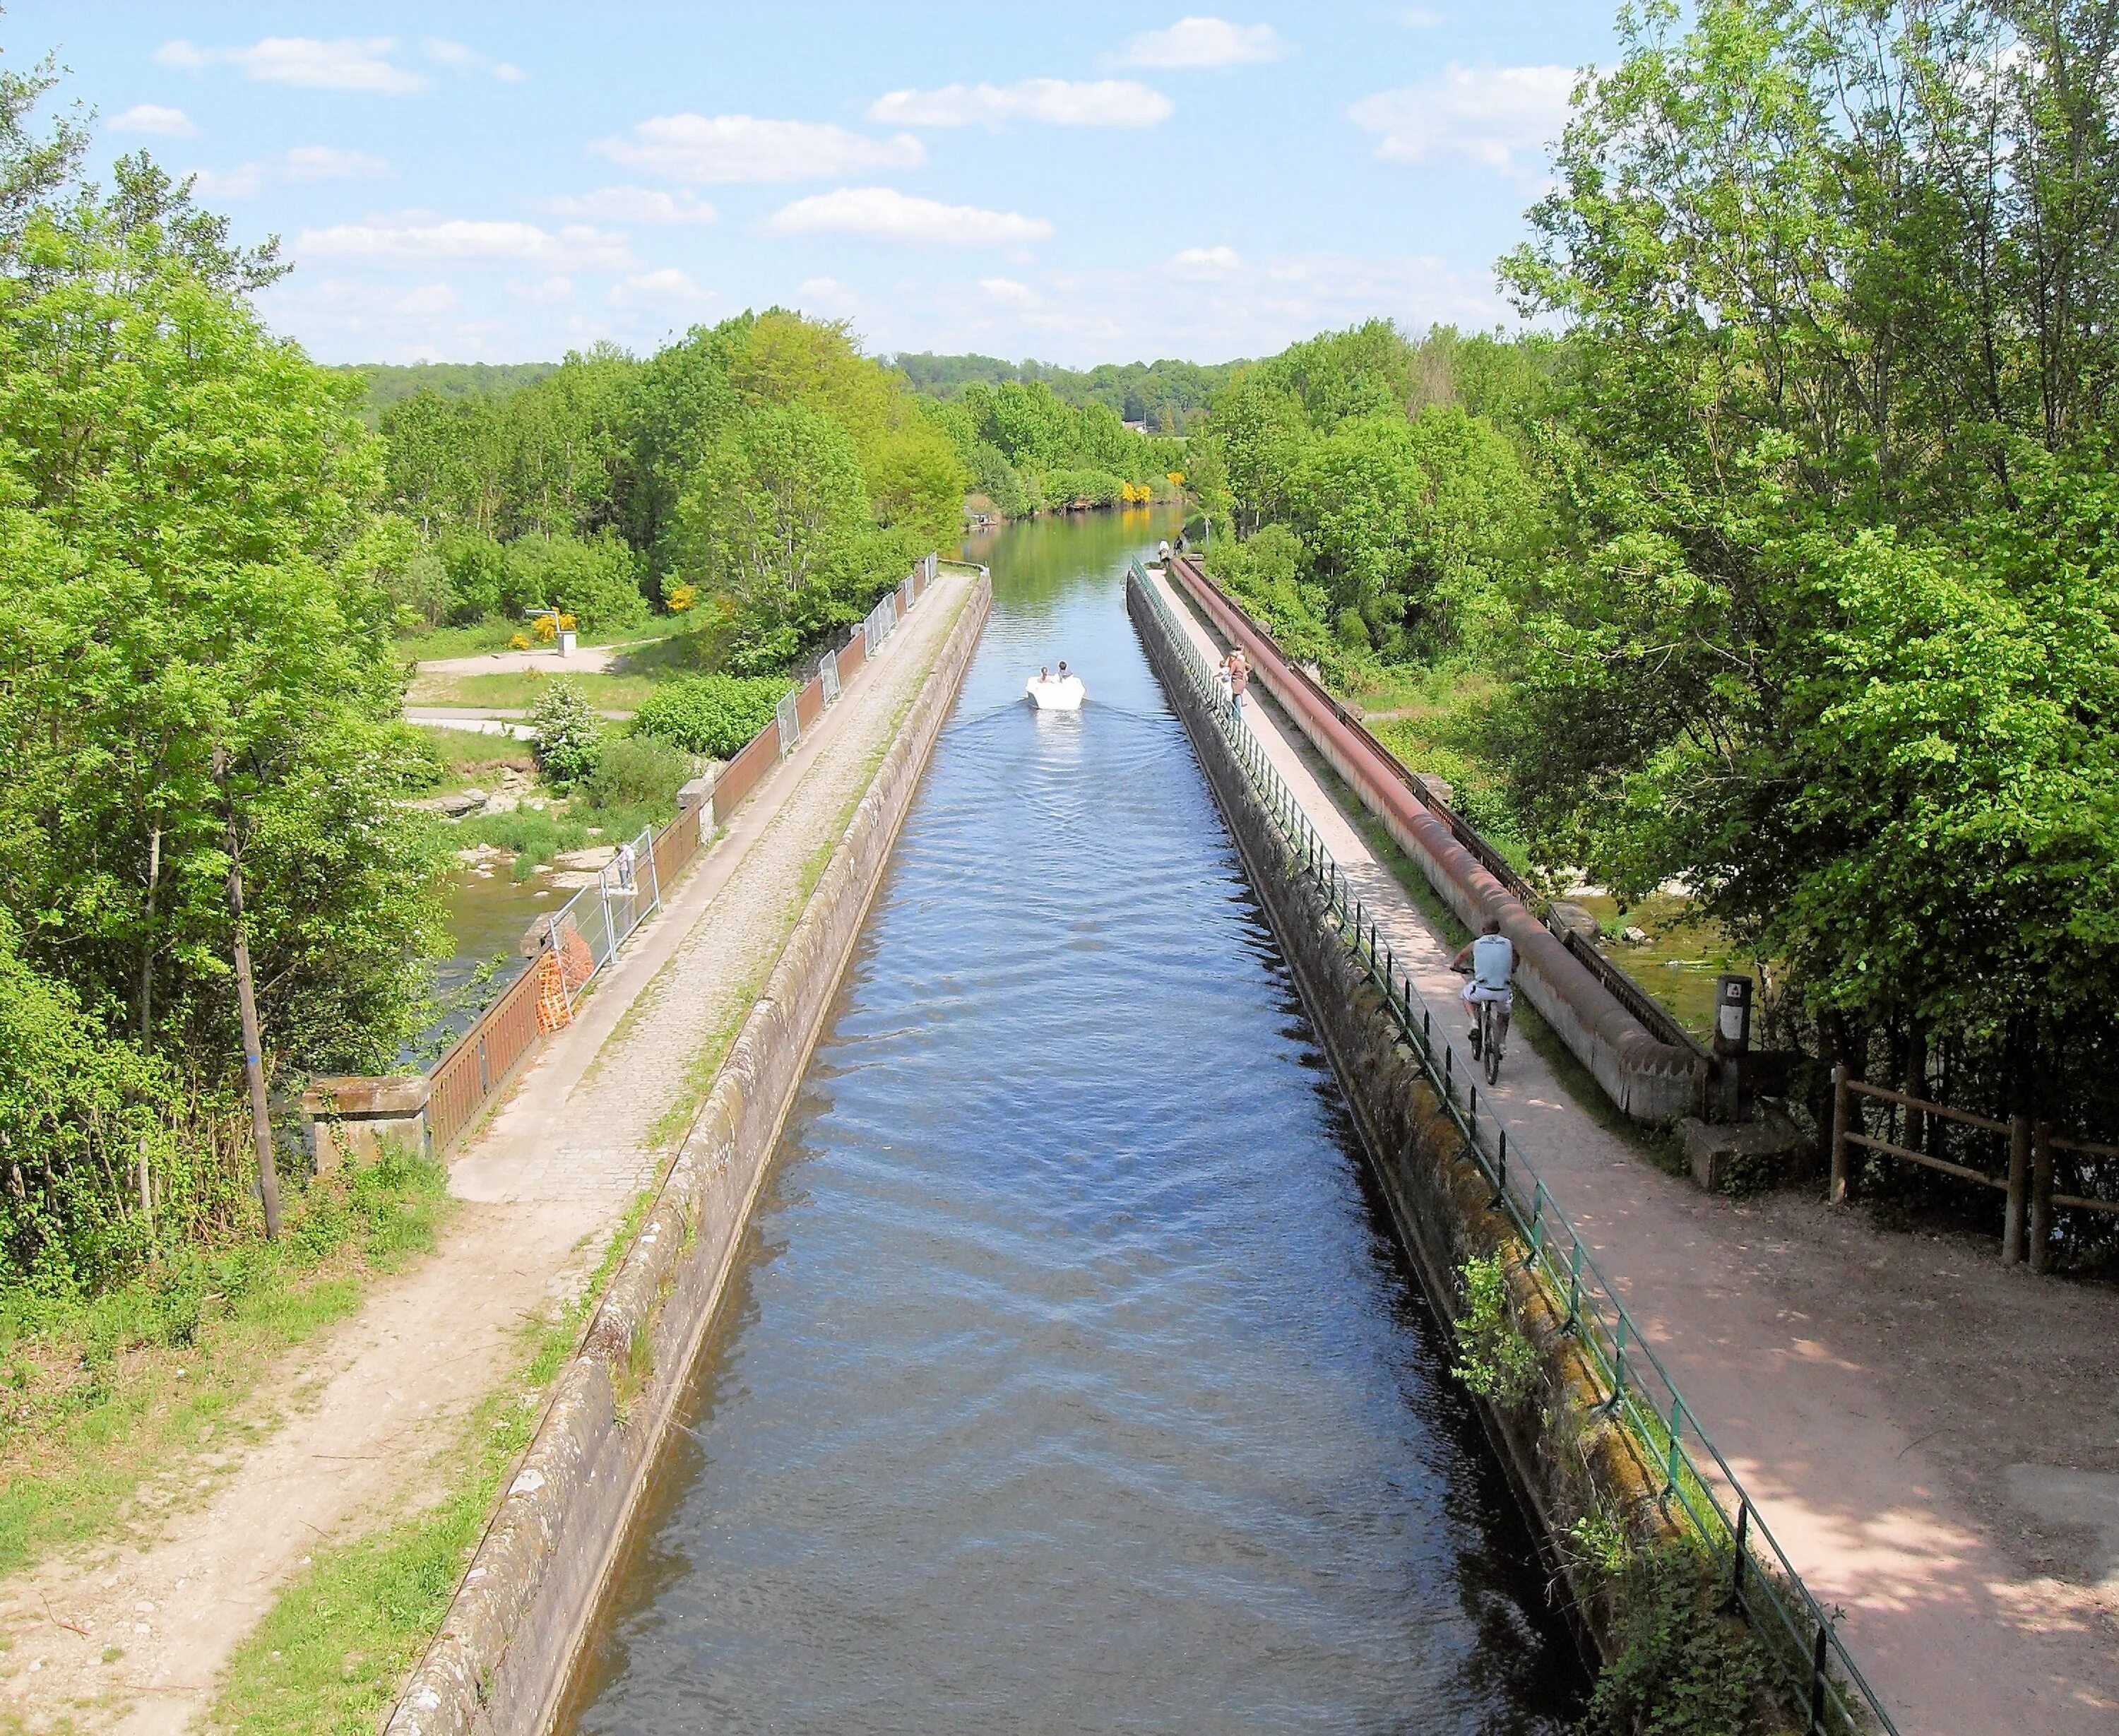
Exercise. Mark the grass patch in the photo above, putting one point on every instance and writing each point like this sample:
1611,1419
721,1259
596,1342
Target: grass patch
517,690
332,1654
113,1407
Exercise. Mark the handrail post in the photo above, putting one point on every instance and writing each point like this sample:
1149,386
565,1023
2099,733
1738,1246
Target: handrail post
1736,1567
1817,1677
1836,1193
2020,1186
2041,1186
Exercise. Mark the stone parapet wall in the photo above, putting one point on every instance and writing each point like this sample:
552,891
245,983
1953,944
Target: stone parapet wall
504,1657
1650,1081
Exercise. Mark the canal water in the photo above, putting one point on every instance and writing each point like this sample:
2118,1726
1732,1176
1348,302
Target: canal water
1073,1381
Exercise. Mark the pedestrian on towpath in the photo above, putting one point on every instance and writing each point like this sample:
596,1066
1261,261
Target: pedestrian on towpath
1239,679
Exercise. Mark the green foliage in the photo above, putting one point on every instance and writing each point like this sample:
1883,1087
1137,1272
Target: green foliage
1680,1667
384,384
199,637
638,771
1829,629
1493,1358
1165,395
712,714
1408,507
596,580
566,733
82,1112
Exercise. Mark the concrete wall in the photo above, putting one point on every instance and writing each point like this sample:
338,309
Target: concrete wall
503,1658
1650,1081
1565,1459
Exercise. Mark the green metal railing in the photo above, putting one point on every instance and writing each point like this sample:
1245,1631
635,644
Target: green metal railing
1798,1635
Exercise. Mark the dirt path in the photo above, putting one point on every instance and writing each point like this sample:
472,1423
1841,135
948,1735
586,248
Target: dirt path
586,659
544,1186
1934,1439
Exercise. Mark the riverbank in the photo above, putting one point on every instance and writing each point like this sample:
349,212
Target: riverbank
367,1442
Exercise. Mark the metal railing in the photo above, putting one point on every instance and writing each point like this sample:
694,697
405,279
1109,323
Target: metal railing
1798,1633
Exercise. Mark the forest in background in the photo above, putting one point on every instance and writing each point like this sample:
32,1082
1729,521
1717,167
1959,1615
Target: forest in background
1166,397
1781,564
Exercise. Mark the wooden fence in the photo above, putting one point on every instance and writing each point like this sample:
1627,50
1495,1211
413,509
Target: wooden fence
2027,1184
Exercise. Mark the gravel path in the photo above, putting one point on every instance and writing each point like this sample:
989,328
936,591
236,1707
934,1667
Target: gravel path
1934,1440
543,1186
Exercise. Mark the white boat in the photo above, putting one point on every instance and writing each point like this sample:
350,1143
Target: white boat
1055,692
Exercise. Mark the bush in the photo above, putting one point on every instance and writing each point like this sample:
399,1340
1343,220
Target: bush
597,582
566,733
713,715
477,570
638,771
1495,1359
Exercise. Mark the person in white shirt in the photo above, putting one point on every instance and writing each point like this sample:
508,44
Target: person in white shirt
1492,960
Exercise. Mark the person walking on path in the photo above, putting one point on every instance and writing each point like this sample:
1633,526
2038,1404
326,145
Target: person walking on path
1239,679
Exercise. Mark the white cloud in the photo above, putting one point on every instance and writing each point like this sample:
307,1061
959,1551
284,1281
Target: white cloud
1010,293
1420,18
1058,102
1490,116
1204,265
326,162
303,163
461,57
171,123
1205,42
241,182
668,288
574,247
633,205
884,214
723,148
545,293
344,63
827,295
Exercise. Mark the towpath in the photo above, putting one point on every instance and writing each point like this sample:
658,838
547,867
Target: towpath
1934,1440
543,1186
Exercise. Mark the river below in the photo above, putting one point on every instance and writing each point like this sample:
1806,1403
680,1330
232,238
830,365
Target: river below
1071,1378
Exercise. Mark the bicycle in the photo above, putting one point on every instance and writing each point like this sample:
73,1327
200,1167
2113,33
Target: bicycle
1490,1037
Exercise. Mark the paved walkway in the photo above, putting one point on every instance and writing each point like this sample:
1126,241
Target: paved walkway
1960,1639
594,1117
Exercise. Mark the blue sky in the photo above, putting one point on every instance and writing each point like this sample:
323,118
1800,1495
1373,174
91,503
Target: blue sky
1080,183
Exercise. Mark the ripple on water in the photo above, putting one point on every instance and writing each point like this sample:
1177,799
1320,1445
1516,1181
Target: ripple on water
1072,1381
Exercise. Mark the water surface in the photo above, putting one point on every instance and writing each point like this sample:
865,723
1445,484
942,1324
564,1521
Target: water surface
1074,1381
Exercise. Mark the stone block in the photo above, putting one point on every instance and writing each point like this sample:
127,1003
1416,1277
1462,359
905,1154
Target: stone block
352,1116
1564,919
1741,1157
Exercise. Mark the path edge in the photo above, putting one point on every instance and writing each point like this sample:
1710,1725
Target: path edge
507,1650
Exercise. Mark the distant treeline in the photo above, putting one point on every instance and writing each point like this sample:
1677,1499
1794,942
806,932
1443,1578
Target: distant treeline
391,382
1165,396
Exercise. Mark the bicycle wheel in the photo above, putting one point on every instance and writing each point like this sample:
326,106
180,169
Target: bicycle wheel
1496,1026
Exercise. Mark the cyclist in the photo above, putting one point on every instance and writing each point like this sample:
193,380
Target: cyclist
1492,960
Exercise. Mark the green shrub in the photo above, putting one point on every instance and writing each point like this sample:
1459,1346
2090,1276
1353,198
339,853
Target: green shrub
1682,1667
1493,1358
713,715
566,733
638,771
596,579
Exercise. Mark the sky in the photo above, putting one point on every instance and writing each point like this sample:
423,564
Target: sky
1078,183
